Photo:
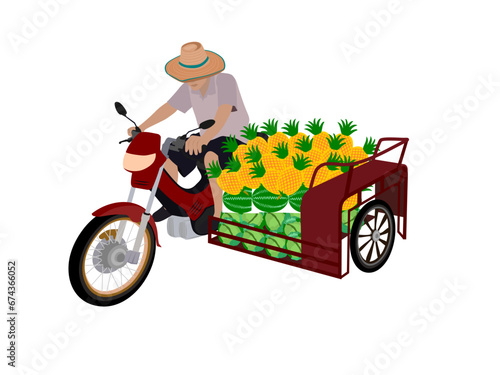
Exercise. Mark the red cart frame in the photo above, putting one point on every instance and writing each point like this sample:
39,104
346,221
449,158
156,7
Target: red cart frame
321,212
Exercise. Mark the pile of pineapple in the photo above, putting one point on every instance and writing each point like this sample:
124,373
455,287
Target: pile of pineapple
285,162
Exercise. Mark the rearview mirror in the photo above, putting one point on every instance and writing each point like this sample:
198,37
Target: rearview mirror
120,109
207,124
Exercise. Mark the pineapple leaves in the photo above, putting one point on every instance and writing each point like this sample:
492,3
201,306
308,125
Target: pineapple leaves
253,155
258,170
233,164
304,144
214,170
347,128
315,127
270,127
229,144
250,131
291,128
301,162
335,142
281,150
369,146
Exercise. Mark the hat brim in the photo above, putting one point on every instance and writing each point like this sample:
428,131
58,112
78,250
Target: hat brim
214,65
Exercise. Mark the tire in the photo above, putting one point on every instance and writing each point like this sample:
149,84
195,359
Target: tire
81,272
362,254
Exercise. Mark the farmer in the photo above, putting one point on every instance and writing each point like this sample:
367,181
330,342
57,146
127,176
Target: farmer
212,95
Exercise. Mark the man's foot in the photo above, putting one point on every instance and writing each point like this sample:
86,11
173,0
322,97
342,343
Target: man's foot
215,224
161,215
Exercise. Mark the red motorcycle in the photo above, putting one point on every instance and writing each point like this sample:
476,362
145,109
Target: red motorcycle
114,253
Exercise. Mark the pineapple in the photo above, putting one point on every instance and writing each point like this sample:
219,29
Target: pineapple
250,132
231,145
246,178
253,155
275,137
350,202
268,177
360,153
291,179
328,172
227,179
346,160
281,152
272,162
305,146
335,144
320,138
346,130
292,130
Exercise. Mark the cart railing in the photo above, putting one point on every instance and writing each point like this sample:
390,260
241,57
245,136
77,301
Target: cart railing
324,253
401,142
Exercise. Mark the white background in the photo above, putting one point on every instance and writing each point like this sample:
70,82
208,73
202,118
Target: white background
288,60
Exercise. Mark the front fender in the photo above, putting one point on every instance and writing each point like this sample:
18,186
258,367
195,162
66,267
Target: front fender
132,210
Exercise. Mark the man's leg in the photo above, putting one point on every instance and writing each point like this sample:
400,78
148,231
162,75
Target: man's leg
171,169
216,190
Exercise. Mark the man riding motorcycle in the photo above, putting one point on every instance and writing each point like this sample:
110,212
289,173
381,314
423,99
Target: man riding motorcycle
212,95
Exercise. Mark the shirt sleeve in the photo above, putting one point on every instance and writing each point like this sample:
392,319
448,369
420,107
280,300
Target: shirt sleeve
226,89
181,99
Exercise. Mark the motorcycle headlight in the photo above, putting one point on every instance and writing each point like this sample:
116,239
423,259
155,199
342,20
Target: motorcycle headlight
134,163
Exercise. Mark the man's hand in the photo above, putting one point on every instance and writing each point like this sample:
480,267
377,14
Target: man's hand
195,143
129,131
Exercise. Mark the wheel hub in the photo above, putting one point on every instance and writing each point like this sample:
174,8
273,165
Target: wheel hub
375,235
109,255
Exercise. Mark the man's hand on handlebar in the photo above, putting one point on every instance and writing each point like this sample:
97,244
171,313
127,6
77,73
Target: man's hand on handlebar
129,131
194,144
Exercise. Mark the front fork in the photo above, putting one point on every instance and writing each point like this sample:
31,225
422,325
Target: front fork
133,255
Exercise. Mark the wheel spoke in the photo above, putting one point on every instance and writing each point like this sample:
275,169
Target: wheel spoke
385,231
364,245
375,224
129,270
384,242
109,280
111,273
383,221
378,251
364,235
368,225
100,274
369,256
119,270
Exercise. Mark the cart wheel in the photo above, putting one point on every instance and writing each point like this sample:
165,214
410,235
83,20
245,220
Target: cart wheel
372,236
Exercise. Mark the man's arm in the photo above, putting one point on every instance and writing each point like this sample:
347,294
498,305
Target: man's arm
162,113
194,144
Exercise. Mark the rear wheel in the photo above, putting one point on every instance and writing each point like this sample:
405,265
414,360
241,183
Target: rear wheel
98,268
372,236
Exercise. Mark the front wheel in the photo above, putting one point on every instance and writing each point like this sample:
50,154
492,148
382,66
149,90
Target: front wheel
372,236
98,268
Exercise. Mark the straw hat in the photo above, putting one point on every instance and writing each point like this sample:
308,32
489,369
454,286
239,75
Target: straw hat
194,62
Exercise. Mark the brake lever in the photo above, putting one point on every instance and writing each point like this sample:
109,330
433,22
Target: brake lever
125,140
130,139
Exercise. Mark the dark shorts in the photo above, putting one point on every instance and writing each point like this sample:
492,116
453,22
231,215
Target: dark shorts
186,163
